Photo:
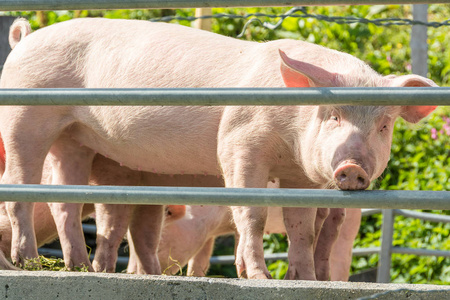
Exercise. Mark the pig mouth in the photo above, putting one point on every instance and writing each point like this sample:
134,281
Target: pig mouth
350,176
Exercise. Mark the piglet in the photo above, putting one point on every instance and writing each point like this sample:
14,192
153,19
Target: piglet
190,240
304,146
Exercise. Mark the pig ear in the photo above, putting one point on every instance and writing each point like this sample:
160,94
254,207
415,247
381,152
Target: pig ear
410,81
175,212
300,74
413,114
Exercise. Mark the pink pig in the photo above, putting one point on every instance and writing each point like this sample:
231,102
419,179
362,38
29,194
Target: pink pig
109,232
304,146
190,240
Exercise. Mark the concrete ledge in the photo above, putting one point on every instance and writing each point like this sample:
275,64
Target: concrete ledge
68,285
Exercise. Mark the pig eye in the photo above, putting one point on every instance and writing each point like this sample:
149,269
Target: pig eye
383,128
334,118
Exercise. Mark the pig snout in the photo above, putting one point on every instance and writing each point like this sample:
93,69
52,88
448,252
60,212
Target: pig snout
351,177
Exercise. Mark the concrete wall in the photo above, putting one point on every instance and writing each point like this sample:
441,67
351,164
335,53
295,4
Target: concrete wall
71,285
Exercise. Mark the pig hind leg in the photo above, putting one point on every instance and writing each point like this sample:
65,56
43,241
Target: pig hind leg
71,165
26,147
199,264
145,231
112,223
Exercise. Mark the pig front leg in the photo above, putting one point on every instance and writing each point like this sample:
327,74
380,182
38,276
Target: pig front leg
199,264
250,223
327,238
71,165
145,231
112,224
299,223
321,216
341,254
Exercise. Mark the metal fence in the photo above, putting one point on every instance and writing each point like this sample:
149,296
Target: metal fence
21,5
219,196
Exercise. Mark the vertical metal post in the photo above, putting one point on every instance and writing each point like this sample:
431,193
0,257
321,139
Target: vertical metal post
419,46
204,24
387,231
5,23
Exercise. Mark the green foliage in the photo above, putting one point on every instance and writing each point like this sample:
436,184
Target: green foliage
420,160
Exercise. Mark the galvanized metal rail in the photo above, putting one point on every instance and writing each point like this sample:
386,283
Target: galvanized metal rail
228,96
225,196
21,5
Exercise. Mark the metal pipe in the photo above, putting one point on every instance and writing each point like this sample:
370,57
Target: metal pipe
387,232
225,196
424,252
230,96
366,251
370,211
421,215
89,228
21,5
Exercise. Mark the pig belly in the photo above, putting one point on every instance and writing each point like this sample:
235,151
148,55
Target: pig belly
275,221
167,140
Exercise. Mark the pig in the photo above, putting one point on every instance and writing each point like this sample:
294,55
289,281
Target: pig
105,172
113,221
304,146
43,223
190,240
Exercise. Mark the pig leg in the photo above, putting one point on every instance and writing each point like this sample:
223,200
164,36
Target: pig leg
133,260
145,231
341,254
199,264
112,220
71,165
249,221
242,167
112,224
327,238
299,224
24,163
322,214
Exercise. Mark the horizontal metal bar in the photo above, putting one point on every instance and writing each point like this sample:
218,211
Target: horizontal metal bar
366,251
225,196
20,5
423,216
370,211
231,96
424,252
229,259
89,228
